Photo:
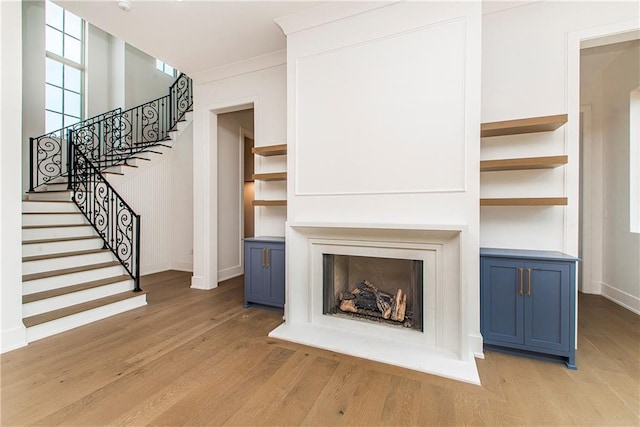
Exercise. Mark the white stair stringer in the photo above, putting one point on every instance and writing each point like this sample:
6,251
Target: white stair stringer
69,279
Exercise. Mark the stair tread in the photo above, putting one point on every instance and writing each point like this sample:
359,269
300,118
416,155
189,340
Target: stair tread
28,227
63,254
50,191
54,273
58,239
52,213
78,308
46,201
74,288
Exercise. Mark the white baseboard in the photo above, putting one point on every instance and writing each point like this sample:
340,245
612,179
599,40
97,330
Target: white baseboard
623,299
182,266
475,346
197,282
154,268
12,339
230,273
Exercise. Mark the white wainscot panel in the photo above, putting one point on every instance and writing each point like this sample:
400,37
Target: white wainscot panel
384,116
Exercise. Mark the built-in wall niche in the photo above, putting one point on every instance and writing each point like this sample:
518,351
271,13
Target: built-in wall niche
386,291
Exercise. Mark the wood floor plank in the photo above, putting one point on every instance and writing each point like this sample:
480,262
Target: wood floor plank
293,409
193,357
332,403
259,406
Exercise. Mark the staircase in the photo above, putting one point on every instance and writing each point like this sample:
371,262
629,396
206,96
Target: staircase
80,240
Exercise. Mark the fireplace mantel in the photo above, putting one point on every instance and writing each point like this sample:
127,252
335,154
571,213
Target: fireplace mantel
441,349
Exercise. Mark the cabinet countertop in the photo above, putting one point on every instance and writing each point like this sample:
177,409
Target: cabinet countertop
527,254
265,239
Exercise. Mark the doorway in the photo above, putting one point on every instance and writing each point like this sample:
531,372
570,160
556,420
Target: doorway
235,219
608,74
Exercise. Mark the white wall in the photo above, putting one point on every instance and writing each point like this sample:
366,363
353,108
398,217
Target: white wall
383,128
161,195
621,248
98,72
525,74
33,75
182,202
12,330
260,82
230,192
143,82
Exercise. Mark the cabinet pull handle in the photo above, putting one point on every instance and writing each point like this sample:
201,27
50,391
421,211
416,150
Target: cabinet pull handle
263,258
266,258
520,270
528,282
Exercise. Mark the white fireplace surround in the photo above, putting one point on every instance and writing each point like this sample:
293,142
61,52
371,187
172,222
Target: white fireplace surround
441,348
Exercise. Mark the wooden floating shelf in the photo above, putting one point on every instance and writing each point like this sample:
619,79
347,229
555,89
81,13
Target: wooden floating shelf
269,203
548,162
519,126
270,150
528,201
274,176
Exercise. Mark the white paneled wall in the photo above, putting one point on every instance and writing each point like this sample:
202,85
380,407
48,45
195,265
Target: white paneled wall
149,194
160,194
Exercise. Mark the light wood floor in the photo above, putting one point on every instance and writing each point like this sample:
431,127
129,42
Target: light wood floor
198,358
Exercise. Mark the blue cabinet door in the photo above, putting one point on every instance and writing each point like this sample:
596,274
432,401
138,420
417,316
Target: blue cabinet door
547,299
276,275
502,305
255,277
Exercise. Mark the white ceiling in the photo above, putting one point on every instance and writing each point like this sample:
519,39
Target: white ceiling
193,36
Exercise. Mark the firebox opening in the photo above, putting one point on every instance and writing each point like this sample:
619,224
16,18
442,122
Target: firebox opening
383,290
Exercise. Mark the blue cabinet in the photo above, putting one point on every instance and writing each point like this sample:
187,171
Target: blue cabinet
264,271
528,303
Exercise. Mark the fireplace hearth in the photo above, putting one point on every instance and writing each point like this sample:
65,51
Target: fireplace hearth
422,261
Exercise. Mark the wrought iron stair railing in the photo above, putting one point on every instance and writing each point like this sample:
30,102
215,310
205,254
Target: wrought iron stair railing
47,153
110,138
99,143
114,220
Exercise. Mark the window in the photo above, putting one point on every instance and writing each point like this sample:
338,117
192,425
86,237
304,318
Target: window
634,161
165,68
64,73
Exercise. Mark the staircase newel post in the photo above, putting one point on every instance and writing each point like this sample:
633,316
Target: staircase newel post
31,166
69,158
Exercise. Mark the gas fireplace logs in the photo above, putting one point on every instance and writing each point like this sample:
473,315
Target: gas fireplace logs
368,300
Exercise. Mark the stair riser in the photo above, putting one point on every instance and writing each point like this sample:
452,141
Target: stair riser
52,233
66,196
61,247
57,187
66,323
67,300
116,169
41,285
31,206
53,219
40,266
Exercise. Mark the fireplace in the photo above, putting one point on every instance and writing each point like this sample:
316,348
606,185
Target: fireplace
325,260
387,291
